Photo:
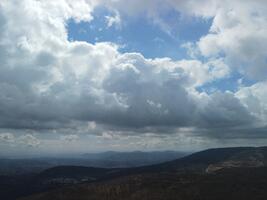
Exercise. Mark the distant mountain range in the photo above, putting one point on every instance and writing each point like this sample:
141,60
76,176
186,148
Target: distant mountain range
226,173
110,159
20,177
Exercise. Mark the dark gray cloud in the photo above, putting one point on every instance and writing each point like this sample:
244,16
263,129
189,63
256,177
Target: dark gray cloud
224,110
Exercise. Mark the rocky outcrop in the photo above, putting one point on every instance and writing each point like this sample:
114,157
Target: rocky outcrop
241,160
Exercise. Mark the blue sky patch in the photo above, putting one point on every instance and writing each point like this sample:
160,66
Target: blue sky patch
141,35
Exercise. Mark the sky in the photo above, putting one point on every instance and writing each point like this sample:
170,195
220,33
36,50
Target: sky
123,75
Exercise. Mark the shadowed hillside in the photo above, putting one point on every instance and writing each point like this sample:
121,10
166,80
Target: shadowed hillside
230,184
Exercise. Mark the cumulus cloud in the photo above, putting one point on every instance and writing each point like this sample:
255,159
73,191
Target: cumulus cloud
52,84
238,31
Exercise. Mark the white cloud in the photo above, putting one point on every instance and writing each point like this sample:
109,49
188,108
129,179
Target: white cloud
239,32
255,99
114,20
201,73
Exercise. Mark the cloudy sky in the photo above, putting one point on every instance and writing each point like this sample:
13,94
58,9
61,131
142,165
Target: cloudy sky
95,75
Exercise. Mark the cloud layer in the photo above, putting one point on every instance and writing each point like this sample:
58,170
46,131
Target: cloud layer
51,84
